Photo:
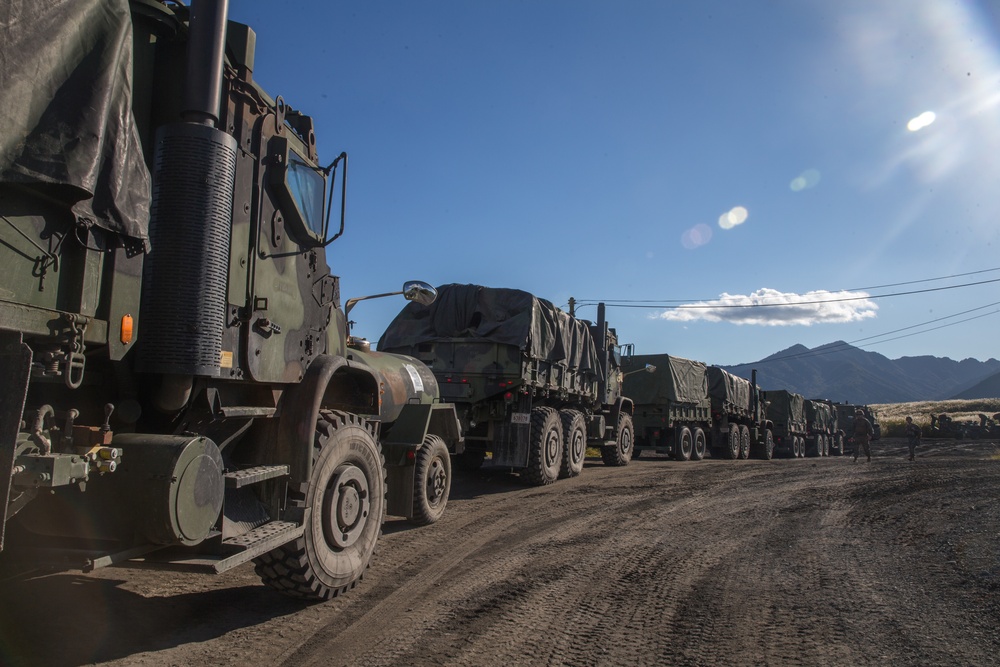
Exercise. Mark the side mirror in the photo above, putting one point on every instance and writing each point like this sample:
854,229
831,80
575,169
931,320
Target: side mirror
419,292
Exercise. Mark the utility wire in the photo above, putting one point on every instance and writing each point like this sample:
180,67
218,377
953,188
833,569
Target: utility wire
659,303
843,346
706,306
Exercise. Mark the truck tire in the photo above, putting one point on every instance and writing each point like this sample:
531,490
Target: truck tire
620,453
574,443
744,441
732,448
545,447
767,449
431,481
800,447
344,506
698,452
683,444
838,445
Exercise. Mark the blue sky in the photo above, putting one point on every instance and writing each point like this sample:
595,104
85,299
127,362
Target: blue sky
679,153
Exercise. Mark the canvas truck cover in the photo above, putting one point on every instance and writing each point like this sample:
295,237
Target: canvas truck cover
819,412
675,380
499,315
729,388
785,406
66,104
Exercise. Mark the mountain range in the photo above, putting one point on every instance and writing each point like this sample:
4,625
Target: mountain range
841,372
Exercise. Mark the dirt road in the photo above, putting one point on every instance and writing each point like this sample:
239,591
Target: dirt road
812,562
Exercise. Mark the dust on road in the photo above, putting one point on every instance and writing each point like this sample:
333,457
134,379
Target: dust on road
813,562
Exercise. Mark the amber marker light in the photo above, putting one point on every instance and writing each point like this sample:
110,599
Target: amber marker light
126,335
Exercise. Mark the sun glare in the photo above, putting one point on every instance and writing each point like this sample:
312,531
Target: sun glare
921,121
737,215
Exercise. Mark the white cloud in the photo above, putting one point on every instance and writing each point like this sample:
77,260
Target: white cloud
769,307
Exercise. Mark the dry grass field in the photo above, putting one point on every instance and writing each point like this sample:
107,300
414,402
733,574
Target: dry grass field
892,415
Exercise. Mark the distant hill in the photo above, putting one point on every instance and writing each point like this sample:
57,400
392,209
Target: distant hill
987,388
842,372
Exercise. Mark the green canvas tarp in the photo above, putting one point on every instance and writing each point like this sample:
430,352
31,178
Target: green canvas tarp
819,412
498,315
675,380
785,406
729,388
66,104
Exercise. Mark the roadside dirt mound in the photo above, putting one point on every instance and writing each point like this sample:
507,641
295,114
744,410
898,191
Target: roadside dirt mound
814,561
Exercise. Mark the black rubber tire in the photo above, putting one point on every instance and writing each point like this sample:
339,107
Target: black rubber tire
840,444
342,527
545,447
574,429
744,441
731,448
802,446
700,445
620,453
767,449
683,444
431,481
470,460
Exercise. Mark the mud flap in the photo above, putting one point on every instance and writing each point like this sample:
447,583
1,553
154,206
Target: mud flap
510,446
15,370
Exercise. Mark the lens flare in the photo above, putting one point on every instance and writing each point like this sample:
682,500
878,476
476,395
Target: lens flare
921,121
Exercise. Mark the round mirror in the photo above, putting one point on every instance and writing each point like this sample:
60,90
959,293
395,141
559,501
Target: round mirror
420,292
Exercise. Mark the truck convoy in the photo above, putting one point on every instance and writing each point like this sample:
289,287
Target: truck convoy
786,410
177,384
684,408
533,386
823,438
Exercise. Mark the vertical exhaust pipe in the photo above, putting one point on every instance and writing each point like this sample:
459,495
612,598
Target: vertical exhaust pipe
194,170
602,353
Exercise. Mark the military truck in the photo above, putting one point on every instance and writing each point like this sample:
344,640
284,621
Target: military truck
177,386
786,410
673,413
533,386
823,438
740,426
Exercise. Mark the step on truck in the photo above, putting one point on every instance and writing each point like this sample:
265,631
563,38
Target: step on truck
673,413
533,386
823,437
175,381
786,410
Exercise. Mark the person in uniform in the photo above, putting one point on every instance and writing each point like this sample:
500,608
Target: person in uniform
863,432
912,436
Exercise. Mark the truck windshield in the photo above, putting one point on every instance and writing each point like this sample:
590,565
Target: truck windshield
307,185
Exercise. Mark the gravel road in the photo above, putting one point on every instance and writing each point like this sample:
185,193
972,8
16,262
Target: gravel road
785,562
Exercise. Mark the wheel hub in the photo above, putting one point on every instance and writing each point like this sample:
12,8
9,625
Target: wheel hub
436,481
346,506
552,447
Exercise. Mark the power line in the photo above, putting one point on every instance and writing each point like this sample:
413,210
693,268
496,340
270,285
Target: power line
706,306
843,346
663,303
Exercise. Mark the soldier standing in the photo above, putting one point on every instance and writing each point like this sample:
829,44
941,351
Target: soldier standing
863,431
912,436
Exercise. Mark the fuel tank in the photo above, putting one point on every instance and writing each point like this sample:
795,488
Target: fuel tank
402,380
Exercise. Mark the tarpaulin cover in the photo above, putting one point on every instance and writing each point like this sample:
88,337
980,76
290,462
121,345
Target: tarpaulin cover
499,315
785,406
728,387
675,380
66,104
818,411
